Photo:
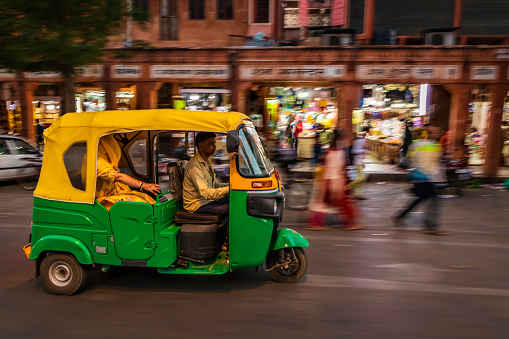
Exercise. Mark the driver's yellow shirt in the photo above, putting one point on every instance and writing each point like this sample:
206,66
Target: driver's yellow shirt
200,184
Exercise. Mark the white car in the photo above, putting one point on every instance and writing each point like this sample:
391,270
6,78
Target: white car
19,159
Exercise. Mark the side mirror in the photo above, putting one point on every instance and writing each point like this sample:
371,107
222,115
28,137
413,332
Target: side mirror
232,141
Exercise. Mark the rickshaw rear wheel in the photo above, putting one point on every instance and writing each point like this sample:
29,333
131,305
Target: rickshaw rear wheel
283,268
62,274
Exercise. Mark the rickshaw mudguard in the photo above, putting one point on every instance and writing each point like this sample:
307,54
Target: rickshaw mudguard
62,243
285,238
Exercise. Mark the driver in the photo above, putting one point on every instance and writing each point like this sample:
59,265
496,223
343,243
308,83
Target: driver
202,193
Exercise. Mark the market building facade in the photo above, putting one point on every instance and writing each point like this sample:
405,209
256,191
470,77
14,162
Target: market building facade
357,83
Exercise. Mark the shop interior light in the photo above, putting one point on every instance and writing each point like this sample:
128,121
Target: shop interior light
423,99
303,94
194,97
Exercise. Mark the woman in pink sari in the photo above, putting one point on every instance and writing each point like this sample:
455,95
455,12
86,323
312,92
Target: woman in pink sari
330,195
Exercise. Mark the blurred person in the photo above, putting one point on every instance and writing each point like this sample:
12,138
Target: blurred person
329,192
504,138
40,135
113,186
444,142
407,141
359,151
202,192
297,127
425,156
286,137
317,148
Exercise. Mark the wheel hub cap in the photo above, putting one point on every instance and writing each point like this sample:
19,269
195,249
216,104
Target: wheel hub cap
60,273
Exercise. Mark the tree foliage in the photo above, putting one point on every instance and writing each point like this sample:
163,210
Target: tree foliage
56,35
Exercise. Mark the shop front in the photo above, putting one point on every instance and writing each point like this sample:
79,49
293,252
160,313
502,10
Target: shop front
203,99
384,110
90,99
125,98
277,108
293,100
476,136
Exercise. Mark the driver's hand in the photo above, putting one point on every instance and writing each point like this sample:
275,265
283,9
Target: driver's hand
152,188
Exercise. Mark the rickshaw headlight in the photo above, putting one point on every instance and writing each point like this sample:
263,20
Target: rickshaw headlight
265,205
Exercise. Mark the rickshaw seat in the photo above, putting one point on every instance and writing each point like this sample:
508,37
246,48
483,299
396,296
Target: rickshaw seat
184,217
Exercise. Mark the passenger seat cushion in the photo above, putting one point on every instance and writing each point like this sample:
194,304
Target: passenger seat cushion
184,217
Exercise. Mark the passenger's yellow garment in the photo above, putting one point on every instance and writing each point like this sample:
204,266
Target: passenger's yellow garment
109,190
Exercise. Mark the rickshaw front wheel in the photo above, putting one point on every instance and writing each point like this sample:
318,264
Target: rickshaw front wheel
287,265
62,274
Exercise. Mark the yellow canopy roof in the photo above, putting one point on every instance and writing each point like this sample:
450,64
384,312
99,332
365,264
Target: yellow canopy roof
89,127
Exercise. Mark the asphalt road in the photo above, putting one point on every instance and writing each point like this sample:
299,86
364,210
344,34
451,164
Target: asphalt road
379,282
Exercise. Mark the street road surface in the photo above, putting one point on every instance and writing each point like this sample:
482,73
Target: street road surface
379,282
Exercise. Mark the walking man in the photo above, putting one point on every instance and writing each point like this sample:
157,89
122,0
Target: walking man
425,157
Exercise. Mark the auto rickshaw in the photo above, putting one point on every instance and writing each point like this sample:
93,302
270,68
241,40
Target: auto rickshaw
72,233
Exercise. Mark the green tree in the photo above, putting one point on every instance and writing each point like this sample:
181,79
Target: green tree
57,35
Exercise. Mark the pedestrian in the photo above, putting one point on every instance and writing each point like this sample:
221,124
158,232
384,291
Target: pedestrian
358,151
407,141
504,138
317,147
329,192
425,157
40,135
297,130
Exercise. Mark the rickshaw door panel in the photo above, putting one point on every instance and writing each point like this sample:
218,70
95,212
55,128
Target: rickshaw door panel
132,225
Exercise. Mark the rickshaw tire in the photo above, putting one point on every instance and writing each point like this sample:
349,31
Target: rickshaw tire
62,274
290,278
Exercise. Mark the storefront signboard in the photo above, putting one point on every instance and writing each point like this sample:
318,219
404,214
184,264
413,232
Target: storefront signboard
42,75
90,71
502,53
125,71
409,72
6,74
484,72
292,73
213,72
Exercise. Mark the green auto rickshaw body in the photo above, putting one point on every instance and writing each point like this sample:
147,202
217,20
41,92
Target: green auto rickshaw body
141,234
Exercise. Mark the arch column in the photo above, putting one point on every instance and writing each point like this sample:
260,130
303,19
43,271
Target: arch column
458,118
349,96
146,93
493,141
241,97
25,95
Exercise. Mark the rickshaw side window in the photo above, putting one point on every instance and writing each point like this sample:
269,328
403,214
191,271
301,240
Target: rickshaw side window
75,162
138,155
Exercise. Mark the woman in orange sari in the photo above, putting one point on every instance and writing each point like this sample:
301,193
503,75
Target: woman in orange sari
113,186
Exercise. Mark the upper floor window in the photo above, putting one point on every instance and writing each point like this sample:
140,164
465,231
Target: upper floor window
224,9
196,9
261,11
168,24
140,10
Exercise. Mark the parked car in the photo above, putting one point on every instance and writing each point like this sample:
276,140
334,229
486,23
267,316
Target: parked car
19,159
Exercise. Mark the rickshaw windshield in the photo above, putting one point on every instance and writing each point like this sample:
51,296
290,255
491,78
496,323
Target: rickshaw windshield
253,157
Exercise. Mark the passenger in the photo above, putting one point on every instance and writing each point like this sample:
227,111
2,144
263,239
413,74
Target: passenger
202,193
113,186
